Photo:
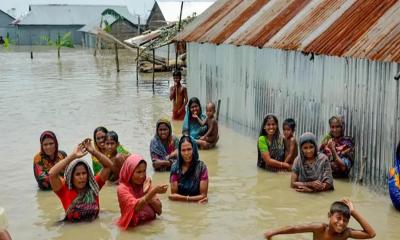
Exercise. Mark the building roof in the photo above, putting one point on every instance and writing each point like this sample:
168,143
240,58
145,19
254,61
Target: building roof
171,9
350,28
8,15
63,14
93,25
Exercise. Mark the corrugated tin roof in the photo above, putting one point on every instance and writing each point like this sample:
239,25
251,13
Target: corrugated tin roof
171,9
63,14
8,15
355,28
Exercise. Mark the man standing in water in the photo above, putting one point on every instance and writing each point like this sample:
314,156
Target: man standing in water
178,94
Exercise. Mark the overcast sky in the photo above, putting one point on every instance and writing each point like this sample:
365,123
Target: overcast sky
141,7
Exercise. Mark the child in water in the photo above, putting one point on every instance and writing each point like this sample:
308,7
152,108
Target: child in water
178,95
289,127
210,139
118,159
339,217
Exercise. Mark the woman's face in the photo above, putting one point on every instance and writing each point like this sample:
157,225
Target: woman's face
194,109
80,177
49,146
163,131
308,150
100,140
336,128
139,174
186,151
270,127
111,145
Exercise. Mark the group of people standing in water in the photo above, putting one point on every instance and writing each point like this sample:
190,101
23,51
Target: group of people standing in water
77,182
313,167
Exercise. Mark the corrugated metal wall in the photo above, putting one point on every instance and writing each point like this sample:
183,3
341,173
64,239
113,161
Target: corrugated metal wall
252,82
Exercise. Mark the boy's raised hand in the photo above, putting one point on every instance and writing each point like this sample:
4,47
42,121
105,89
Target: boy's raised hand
349,204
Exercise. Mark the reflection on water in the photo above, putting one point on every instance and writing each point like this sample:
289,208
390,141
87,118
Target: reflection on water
78,93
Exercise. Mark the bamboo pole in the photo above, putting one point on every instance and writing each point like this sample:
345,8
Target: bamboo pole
168,57
137,68
154,56
218,107
177,43
116,56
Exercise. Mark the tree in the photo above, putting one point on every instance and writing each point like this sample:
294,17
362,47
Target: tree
64,41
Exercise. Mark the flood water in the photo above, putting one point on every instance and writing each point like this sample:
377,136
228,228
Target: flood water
80,92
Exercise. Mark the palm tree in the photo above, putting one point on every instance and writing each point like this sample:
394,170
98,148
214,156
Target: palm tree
64,41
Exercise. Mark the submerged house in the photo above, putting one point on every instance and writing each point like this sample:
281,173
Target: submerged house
306,59
121,28
5,25
165,12
57,19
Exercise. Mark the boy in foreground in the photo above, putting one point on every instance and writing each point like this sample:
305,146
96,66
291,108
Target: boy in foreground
336,229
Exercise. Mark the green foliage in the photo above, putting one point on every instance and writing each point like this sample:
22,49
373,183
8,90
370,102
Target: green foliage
113,13
7,41
64,41
107,27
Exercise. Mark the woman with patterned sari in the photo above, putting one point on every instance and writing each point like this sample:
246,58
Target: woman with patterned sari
271,146
311,170
99,139
163,146
339,148
48,156
79,193
189,175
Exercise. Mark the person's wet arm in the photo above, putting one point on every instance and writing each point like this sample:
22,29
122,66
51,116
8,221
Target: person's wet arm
314,228
270,162
55,181
291,151
367,231
172,93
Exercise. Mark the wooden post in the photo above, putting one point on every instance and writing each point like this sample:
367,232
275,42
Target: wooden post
168,58
138,25
177,43
137,67
154,65
31,54
218,107
116,56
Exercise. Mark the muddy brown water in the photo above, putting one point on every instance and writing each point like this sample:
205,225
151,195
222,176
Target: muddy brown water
78,93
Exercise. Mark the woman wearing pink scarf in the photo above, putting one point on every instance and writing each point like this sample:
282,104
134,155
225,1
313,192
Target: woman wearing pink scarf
137,199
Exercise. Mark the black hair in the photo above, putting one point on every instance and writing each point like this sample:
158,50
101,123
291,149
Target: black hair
340,207
269,117
99,129
177,73
113,135
335,118
194,100
290,123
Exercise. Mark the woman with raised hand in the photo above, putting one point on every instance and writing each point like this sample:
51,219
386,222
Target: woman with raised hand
79,192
